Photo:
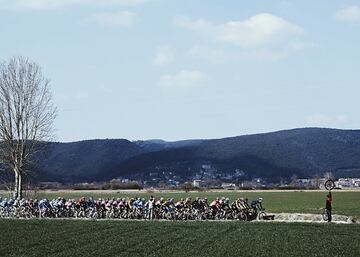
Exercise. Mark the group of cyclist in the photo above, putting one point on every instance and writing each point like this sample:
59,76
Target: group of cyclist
134,208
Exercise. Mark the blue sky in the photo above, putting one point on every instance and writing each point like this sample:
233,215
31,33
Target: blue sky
144,69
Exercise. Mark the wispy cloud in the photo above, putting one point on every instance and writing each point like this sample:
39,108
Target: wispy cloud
43,4
164,55
121,18
260,30
348,14
54,4
261,33
183,79
119,2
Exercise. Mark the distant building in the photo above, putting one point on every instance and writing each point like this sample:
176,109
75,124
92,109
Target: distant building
344,182
347,182
304,182
196,183
228,186
50,185
356,182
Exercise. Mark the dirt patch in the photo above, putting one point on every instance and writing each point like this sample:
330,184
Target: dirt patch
311,218
279,217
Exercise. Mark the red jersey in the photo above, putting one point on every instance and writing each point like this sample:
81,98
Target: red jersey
329,199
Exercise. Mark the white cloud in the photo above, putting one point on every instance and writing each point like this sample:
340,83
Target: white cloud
349,14
199,25
164,55
264,54
183,79
44,4
258,31
121,18
119,2
54,4
323,120
262,36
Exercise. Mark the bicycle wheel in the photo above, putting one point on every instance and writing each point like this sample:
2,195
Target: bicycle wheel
242,216
325,215
261,215
329,184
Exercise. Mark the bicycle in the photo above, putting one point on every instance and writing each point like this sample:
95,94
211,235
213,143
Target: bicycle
325,214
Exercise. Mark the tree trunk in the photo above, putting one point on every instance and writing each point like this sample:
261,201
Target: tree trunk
16,186
19,190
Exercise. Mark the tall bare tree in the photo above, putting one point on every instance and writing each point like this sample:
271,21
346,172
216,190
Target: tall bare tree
27,115
328,175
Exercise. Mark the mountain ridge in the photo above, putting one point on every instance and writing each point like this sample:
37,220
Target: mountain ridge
274,155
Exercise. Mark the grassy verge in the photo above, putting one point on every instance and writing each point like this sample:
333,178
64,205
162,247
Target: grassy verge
131,238
344,202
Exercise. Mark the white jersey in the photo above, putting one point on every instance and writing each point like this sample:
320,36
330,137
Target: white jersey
151,204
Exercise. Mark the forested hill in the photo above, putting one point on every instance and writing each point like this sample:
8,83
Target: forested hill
304,152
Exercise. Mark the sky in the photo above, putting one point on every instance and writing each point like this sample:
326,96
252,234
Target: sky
166,69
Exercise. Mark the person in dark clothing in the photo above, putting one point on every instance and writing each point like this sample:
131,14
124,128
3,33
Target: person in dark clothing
328,205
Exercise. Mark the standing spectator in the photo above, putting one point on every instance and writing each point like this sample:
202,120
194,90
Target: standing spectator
328,205
150,205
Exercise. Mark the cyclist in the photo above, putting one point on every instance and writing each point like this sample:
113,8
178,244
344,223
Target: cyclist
196,204
3,203
235,206
170,205
257,204
180,204
187,203
215,206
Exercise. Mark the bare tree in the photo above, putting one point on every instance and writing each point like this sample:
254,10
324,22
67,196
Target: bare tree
294,181
27,114
316,181
328,175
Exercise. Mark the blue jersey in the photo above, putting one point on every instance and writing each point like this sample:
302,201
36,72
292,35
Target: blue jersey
137,204
3,203
43,204
254,204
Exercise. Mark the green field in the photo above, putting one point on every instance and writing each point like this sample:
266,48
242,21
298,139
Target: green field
344,202
52,238
155,238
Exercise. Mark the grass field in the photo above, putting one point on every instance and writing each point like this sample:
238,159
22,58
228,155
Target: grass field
344,202
52,238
